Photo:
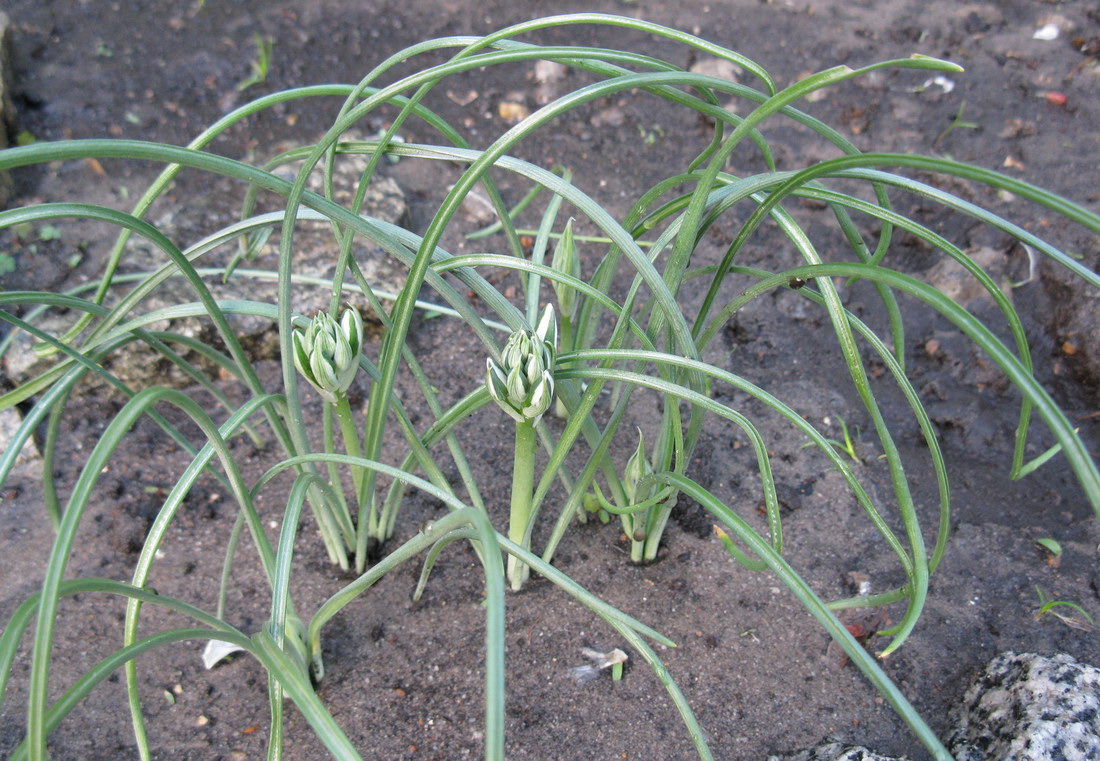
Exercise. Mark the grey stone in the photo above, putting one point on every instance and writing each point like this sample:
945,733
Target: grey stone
21,361
831,750
9,424
1028,707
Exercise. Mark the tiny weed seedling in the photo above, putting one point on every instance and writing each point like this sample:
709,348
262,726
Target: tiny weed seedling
612,661
49,232
1050,545
956,123
1054,608
1052,549
593,340
260,64
845,445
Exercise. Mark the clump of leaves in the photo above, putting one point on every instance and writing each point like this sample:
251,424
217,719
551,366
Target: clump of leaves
639,312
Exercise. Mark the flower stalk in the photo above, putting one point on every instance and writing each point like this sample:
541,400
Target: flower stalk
326,354
522,384
523,485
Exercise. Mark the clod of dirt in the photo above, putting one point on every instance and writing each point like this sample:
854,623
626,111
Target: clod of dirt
1015,128
1075,320
951,279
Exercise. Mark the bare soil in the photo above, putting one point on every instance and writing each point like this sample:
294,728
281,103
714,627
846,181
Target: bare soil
404,678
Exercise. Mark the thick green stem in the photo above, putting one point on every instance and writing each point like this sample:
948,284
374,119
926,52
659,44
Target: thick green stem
337,520
351,446
654,533
637,551
523,485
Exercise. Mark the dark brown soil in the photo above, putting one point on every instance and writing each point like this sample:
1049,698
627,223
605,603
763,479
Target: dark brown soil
405,679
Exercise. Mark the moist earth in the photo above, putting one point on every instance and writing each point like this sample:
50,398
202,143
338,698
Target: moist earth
405,678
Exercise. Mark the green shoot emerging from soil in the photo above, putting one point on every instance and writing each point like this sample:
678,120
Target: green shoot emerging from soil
1054,608
261,64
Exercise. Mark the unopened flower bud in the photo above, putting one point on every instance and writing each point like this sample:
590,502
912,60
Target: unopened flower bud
565,261
326,353
523,382
637,468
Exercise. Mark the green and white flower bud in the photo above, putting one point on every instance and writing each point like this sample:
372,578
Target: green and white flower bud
637,468
566,261
326,353
523,382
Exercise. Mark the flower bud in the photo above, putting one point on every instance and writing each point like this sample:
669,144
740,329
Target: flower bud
566,261
523,382
637,468
326,353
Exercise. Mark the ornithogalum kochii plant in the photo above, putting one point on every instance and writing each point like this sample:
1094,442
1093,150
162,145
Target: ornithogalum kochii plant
640,300
522,384
327,353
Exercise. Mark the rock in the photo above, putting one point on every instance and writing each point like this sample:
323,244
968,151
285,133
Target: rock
719,68
20,361
9,424
831,750
1028,707
1023,707
549,71
477,208
7,108
548,76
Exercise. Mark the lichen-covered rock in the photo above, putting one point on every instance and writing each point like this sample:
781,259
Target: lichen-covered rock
1028,707
831,750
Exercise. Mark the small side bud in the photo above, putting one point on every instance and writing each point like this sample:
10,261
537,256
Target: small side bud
637,468
567,262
